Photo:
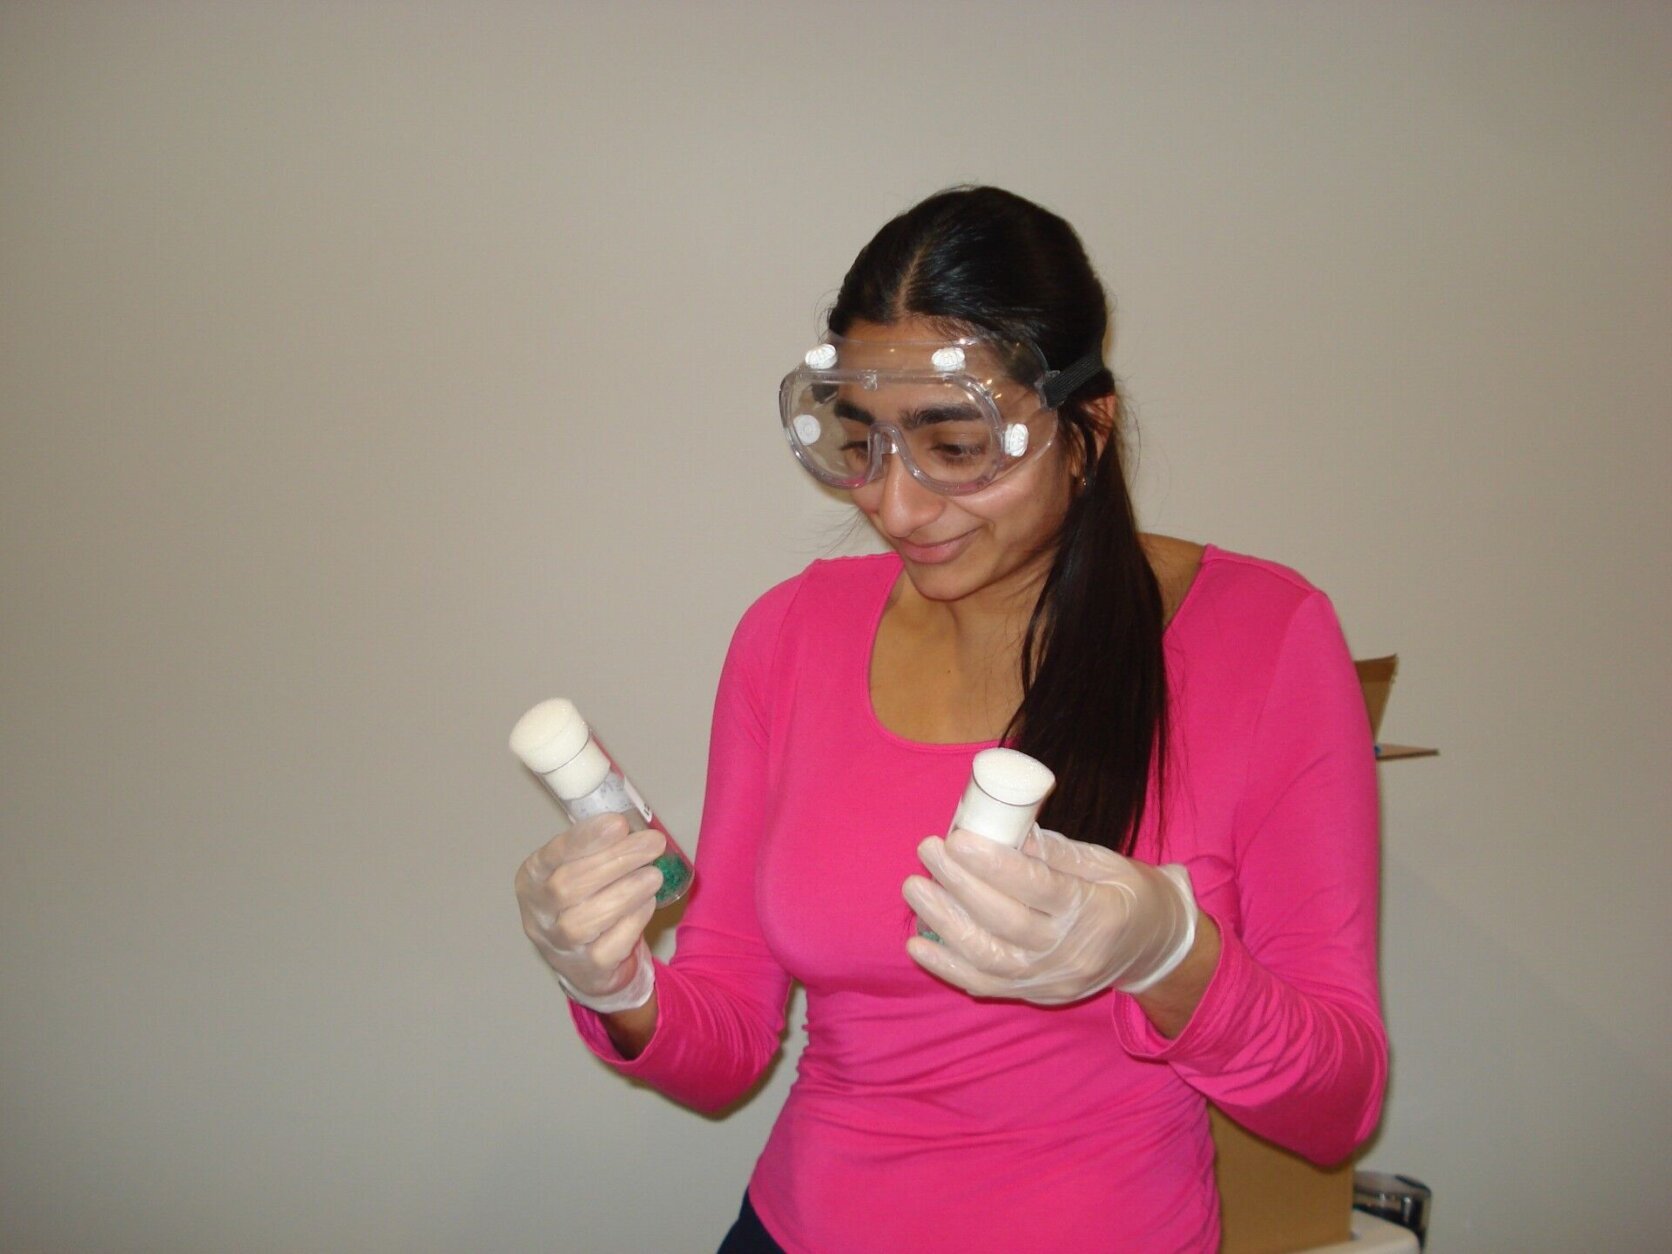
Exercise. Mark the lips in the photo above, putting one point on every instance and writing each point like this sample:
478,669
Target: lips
932,554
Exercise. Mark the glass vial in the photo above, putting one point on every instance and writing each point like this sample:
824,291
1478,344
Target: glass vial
555,743
1001,800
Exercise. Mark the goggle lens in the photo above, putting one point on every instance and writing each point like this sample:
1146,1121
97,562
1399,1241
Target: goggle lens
952,437
847,452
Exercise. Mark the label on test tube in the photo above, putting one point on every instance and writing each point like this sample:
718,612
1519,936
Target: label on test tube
616,795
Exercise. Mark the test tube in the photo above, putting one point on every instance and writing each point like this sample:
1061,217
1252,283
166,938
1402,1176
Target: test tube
554,742
1001,800
1003,796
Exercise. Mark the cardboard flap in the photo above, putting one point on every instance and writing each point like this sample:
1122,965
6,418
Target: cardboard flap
1375,676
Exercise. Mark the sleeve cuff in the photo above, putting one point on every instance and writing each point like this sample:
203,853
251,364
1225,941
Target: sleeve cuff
1203,1037
590,1025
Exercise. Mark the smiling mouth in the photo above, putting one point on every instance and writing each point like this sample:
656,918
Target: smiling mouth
931,554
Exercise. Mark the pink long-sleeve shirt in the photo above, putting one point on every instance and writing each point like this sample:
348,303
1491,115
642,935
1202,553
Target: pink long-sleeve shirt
924,1119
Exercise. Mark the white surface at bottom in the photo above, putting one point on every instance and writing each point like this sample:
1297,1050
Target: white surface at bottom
1373,1236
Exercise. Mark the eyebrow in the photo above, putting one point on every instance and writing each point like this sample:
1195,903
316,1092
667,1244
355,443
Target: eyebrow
917,418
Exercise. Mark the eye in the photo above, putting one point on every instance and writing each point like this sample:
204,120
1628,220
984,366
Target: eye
953,452
855,446
854,436
957,446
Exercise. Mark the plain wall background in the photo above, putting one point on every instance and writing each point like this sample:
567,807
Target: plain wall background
370,371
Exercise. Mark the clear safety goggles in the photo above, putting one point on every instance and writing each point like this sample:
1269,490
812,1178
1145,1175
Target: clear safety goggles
957,413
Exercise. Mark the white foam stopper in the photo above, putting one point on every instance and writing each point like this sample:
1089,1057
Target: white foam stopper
1003,796
549,735
821,358
1012,777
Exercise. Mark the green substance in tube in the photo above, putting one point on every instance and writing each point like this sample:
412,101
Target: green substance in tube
676,874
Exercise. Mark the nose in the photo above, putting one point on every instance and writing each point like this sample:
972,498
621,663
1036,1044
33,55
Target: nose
905,504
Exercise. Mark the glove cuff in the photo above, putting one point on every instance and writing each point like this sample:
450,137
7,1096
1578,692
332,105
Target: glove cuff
634,994
1179,878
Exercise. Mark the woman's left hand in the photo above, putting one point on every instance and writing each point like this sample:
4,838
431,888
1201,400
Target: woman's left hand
1052,922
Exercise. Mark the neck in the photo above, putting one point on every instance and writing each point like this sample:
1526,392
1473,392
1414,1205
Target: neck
990,622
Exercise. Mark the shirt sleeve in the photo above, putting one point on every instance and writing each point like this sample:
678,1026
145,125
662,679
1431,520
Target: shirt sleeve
721,1001
1288,1039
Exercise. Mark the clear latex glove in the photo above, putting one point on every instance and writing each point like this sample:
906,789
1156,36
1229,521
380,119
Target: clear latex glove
1052,922
586,896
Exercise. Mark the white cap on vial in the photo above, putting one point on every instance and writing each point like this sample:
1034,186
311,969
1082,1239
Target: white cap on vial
553,740
1003,797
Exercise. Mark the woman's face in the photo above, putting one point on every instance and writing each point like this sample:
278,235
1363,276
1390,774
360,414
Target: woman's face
993,543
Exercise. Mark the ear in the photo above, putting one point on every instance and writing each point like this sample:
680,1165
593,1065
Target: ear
1104,413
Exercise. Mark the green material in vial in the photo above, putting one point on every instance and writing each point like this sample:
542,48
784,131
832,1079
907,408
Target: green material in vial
676,874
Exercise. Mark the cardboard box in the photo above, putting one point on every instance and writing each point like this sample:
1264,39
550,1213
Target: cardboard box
1376,678
1272,1201
1275,1202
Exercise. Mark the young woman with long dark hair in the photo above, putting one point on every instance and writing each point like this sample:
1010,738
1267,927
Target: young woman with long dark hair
1196,919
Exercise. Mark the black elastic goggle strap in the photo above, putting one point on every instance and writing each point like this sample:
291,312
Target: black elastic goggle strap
1061,384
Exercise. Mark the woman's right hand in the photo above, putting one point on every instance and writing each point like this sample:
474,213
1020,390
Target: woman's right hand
586,896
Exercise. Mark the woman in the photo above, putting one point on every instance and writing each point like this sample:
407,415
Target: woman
1036,1079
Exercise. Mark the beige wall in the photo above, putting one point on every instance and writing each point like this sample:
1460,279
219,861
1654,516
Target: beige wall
368,372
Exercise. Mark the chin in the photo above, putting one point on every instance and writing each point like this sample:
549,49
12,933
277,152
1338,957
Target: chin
945,581
934,586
